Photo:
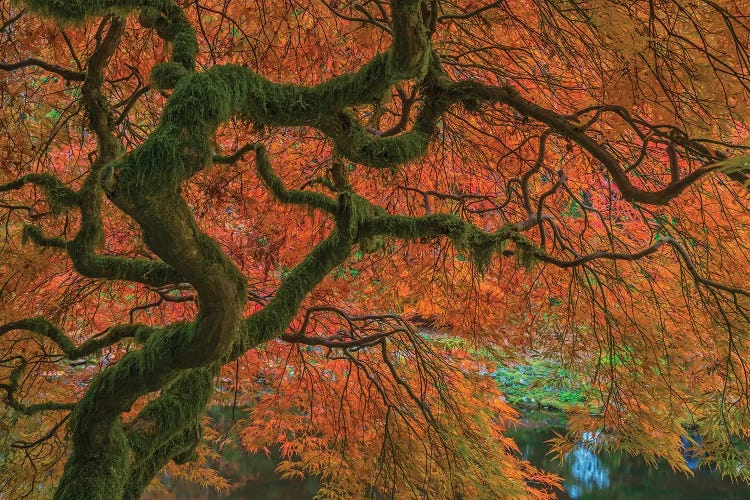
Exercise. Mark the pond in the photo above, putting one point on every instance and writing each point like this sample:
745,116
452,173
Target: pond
587,476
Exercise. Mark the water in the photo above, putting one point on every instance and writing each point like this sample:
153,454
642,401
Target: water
587,476
250,476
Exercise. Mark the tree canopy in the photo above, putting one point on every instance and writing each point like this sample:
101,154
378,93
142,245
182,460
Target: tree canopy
267,197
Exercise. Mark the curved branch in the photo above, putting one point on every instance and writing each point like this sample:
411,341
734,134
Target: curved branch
67,74
278,313
236,156
34,234
293,196
59,196
12,386
357,326
30,444
469,15
42,327
112,267
690,264
562,126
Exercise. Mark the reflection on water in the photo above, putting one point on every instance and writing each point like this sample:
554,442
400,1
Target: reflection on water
620,476
587,473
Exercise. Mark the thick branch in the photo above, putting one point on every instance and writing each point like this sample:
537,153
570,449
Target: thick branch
482,245
163,423
111,267
42,327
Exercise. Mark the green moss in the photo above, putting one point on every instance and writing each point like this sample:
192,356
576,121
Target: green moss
149,16
276,186
58,195
480,245
97,474
275,317
167,18
32,233
107,459
75,11
165,76
180,447
353,141
185,47
179,406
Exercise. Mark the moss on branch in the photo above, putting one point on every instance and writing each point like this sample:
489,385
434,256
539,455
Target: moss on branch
293,196
112,267
275,317
12,386
180,448
108,460
58,195
167,18
481,245
76,11
168,426
44,328
180,403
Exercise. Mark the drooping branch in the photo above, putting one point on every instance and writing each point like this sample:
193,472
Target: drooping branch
89,197
482,245
570,130
44,328
12,386
356,143
111,267
46,436
693,270
358,332
12,20
31,409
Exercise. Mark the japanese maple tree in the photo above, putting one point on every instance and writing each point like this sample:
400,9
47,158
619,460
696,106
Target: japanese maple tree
265,197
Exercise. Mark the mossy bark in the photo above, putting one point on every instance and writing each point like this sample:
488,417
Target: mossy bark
110,459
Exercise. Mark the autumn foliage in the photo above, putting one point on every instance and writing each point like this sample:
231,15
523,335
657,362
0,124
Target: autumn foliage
340,215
